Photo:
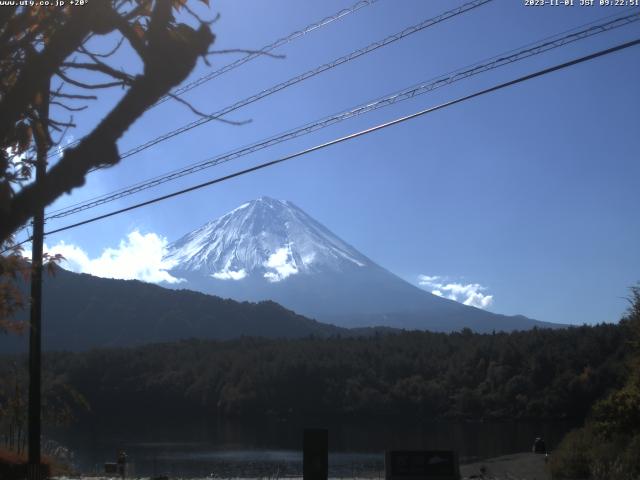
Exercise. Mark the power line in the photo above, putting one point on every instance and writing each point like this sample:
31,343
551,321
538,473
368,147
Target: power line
268,48
308,74
514,55
367,131
253,55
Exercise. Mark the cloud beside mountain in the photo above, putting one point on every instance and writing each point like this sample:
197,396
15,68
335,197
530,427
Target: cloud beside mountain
137,257
149,257
468,294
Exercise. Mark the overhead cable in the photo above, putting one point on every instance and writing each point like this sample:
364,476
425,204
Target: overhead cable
308,74
253,55
515,55
352,136
268,48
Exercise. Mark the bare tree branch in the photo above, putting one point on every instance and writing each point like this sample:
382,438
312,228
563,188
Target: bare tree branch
204,115
111,52
198,18
74,96
56,124
68,108
92,86
169,56
143,7
101,67
130,34
60,45
55,143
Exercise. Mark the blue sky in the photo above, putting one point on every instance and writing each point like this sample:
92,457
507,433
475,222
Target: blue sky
531,192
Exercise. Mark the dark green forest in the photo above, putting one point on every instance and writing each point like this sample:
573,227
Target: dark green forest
146,313
607,446
541,374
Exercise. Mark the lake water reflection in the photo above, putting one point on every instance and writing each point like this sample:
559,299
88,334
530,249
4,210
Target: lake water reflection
270,448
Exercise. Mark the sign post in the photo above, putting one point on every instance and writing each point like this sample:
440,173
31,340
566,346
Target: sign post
315,454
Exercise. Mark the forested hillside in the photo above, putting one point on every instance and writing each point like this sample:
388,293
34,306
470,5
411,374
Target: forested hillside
83,312
535,374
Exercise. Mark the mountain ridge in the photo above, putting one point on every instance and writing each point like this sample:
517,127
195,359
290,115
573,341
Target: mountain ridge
272,249
81,311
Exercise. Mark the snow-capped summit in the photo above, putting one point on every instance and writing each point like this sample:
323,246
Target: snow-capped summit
269,249
269,238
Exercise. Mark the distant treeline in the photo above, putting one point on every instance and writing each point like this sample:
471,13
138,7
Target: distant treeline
541,374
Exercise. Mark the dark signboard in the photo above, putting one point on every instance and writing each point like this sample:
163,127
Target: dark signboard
315,454
421,465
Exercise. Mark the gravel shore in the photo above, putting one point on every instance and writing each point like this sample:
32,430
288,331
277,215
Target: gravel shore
519,466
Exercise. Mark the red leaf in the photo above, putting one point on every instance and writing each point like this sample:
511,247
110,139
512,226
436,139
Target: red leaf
139,30
178,4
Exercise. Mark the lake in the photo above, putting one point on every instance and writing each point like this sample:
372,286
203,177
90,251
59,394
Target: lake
274,448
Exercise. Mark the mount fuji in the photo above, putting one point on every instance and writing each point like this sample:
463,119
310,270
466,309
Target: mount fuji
269,249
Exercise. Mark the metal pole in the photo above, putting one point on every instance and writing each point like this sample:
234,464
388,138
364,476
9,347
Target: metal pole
35,330
35,337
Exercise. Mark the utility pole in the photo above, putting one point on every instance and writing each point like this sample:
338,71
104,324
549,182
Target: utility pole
41,136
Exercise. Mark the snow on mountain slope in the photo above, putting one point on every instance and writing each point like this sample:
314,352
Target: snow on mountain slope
270,238
269,249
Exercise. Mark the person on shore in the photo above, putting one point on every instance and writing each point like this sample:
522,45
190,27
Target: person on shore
122,463
539,446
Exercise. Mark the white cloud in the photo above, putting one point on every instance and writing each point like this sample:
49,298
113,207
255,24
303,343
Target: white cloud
282,264
479,300
139,256
427,278
469,294
230,274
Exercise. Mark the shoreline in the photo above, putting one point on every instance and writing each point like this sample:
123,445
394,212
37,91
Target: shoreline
517,466
520,466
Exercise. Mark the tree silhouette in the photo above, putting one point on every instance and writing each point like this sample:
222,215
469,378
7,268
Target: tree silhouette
43,51
36,45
